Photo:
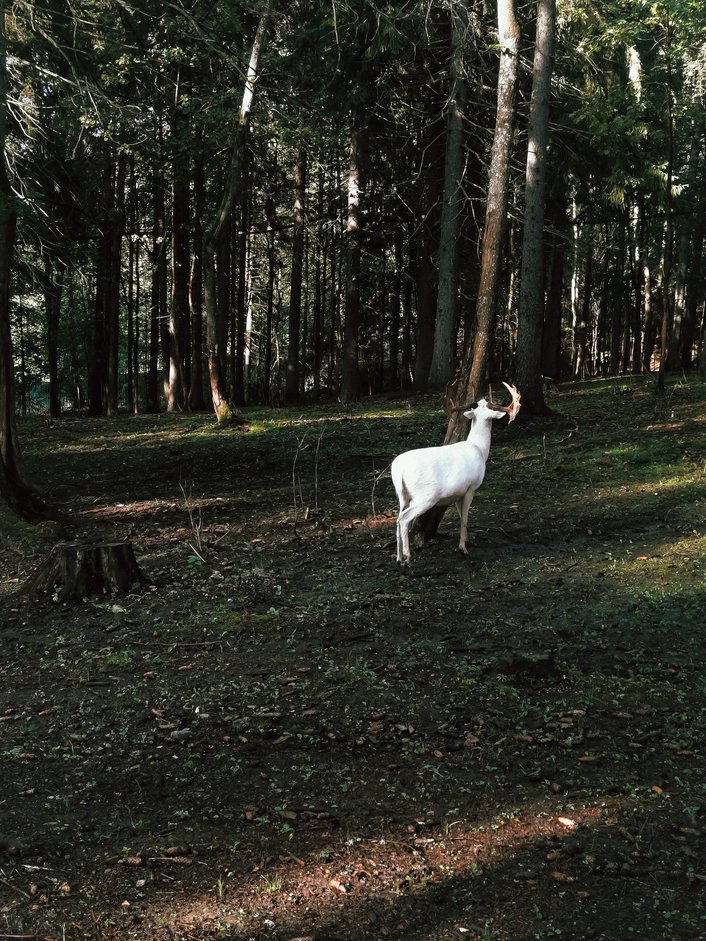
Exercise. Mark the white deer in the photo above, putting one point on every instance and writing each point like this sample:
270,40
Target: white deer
428,477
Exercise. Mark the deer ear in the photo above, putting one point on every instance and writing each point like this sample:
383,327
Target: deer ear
469,414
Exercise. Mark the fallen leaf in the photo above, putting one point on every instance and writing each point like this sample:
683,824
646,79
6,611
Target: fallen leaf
562,876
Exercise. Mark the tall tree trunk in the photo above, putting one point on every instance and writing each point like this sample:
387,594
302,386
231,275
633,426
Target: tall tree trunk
100,340
116,223
133,281
196,398
444,352
291,391
319,288
424,247
14,492
221,406
617,298
694,280
551,342
395,307
682,335
158,285
54,269
179,313
668,225
350,378
270,211
531,311
648,316
583,312
242,304
473,380
475,365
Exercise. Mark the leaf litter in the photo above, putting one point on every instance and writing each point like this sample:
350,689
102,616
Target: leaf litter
285,736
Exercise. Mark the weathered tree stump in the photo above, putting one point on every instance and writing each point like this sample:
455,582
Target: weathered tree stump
76,570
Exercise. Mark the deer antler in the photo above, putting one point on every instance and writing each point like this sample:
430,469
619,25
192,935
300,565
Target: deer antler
514,406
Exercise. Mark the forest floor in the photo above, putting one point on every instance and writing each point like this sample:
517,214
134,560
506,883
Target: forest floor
286,736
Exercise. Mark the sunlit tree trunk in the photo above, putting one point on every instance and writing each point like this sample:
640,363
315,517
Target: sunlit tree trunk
350,378
221,406
475,365
495,211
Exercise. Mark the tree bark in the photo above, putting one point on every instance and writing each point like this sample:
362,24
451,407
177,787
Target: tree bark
495,211
77,570
444,351
158,286
291,390
531,310
668,224
551,341
350,378
222,408
196,397
474,370
116,227
54,269
179,313
14,492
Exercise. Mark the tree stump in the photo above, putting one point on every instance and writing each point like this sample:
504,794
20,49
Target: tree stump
76,570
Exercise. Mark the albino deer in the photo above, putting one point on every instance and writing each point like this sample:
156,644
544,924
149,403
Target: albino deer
428,477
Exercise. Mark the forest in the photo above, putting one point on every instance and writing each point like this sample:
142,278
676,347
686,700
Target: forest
210,205
251,252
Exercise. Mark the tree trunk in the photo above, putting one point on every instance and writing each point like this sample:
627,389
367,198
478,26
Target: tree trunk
495,211
444,352
694,280
475,365
116,225
668,225
223,410
682,330
350,378
291,390
196,397
54,269
270,211
98,363
581,364
531,311
158,287
551,342
14,492
179,313
133,283
423,249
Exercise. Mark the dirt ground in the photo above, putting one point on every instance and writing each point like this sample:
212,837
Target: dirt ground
285,736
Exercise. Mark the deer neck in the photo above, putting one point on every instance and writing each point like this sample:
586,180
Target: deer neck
479,436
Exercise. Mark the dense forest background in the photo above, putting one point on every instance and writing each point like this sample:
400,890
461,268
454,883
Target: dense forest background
238,202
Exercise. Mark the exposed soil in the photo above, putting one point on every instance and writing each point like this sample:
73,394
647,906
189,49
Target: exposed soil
285,736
